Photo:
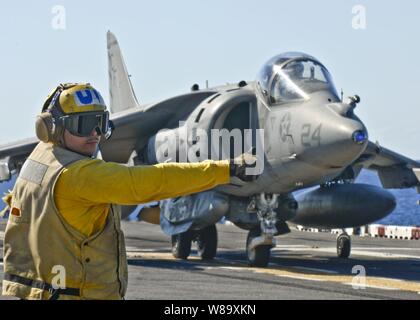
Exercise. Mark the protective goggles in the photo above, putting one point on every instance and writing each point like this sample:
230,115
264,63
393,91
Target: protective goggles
83,124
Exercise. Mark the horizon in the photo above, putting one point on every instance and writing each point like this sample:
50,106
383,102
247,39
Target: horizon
168,47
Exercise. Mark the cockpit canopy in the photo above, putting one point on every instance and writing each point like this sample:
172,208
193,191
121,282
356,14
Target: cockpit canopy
293,76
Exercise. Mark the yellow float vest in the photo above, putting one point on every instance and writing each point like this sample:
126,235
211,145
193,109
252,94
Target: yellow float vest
39,244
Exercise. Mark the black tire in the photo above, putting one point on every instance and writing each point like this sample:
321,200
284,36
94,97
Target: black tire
260,255
343,246
181,245
207,242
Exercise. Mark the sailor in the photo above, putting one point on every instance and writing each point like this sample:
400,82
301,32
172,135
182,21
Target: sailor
63,239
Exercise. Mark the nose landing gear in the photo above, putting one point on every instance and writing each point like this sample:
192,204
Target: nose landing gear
260,240
258,248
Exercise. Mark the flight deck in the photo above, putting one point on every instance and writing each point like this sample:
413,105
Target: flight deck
304,265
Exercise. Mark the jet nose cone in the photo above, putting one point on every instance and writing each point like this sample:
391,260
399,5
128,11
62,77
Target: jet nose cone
342,140
349,139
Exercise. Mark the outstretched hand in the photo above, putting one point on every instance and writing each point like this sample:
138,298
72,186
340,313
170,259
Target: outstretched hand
240,164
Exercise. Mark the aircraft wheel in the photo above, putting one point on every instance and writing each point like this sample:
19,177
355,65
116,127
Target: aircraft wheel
343,246
181,245
207,242
260,255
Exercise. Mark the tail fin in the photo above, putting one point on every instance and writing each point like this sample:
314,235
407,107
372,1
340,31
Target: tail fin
121,93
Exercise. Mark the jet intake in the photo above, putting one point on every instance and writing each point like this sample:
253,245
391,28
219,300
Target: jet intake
343,206
5,172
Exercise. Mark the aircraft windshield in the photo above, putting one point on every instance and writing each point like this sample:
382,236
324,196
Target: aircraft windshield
281,81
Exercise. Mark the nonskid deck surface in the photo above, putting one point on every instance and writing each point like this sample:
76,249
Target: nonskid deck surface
303,265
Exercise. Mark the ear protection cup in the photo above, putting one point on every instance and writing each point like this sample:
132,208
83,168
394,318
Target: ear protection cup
46,130
44,127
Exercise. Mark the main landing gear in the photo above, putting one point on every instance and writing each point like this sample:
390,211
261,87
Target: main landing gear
343,245
206,240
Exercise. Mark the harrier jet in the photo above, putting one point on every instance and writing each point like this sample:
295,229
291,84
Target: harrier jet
302,131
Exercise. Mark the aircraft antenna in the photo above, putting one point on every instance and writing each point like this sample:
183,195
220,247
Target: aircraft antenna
207,84
342,94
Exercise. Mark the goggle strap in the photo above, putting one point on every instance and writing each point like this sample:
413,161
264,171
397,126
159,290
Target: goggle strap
51,101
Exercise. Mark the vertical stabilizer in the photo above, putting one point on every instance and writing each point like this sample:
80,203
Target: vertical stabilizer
121,93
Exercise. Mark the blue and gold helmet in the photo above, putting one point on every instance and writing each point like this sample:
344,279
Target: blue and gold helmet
76,107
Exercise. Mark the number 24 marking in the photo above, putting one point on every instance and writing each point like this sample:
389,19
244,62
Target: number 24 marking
309,139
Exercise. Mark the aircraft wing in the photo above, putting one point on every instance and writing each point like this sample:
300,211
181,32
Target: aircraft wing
13,155
394,170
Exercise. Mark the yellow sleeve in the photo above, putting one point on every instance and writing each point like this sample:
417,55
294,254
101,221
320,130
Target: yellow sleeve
100,182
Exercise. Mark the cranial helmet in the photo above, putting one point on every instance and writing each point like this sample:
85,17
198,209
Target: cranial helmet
77,107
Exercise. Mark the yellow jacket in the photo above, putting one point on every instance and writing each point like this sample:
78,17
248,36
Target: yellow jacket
86,188
61,216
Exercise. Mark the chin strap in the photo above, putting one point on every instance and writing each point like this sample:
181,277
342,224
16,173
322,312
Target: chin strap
96,153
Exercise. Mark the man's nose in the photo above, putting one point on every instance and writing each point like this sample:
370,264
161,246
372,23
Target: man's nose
95,132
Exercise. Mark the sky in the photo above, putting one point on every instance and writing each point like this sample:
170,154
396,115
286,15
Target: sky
170,45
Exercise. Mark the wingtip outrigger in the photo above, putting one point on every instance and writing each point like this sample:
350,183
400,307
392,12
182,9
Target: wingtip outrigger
417,174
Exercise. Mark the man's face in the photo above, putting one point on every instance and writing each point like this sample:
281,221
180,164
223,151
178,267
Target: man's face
83,145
